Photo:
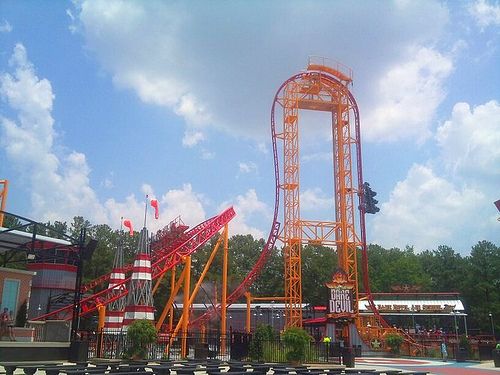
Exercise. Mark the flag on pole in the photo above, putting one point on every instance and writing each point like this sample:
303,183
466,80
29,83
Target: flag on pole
128,224
154,204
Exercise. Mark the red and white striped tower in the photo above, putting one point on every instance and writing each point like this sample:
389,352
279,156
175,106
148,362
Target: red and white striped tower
115,309
140,296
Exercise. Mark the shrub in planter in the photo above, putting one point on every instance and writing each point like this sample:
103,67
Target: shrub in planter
140,334
296,341
394,342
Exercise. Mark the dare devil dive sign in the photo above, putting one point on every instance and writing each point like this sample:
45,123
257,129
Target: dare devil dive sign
341,301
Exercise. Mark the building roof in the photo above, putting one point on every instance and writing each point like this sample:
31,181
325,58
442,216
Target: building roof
11,239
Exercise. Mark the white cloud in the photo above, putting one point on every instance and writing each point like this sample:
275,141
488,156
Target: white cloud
262,147
5,27
426,210
198,60
59,184
485,13
315,199
408,95
470,141
318,156
175,202
207,155
192,138
248,209
249,167
184,202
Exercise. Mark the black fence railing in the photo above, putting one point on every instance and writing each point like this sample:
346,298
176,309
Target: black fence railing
236,346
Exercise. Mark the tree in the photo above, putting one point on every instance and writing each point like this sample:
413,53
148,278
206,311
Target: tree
445,268
395,267
318,265
482,284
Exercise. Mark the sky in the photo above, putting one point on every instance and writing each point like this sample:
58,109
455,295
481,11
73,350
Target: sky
103,102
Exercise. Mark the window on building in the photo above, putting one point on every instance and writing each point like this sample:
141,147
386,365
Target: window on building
10,294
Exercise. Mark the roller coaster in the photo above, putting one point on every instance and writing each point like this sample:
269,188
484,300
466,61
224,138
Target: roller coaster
323,86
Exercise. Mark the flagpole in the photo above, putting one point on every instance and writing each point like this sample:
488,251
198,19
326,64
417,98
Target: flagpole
145,211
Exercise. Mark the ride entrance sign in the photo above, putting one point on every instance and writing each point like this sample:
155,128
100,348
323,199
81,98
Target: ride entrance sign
341,303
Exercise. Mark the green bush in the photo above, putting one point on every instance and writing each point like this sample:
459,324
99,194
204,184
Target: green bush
296,341
394,342
262,335
140,334
22,314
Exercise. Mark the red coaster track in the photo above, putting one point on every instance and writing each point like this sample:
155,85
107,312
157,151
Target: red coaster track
165,256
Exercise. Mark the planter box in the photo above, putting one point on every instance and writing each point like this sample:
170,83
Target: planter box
24,334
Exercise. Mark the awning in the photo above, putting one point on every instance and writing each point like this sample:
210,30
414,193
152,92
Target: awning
18,240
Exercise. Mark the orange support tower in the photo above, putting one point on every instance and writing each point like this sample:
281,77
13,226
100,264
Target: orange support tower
324,86
4,188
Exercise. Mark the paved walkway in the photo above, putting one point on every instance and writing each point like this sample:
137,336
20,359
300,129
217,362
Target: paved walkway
432,366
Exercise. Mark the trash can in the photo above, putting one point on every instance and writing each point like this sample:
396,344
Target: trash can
462,355
78,351
348,357
495,353
201,351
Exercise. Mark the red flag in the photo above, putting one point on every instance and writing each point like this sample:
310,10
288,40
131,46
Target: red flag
128,224
154,204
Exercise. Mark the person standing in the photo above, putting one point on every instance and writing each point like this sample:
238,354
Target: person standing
4,319
444,351
10,326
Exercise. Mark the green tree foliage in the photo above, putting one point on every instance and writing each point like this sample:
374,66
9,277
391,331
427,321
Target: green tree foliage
395,267
445,267
318,265
481,288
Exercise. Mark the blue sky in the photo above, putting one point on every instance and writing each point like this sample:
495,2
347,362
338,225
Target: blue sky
105,101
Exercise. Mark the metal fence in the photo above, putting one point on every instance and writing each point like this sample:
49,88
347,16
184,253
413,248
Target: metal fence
236,346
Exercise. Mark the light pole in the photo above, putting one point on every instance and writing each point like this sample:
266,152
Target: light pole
413,319
492,325
456,334
272,315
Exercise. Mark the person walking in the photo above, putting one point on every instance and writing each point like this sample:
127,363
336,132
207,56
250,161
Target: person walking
444,351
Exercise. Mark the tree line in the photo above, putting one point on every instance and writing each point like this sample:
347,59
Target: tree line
475,276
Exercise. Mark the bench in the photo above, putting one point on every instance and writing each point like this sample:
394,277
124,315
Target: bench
55,370
29,368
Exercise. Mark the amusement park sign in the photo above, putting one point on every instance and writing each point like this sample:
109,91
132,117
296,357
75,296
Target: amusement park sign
341,304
